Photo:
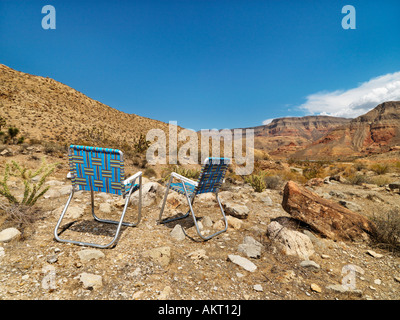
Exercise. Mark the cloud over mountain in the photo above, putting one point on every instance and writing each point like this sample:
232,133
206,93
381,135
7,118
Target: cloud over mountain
357,101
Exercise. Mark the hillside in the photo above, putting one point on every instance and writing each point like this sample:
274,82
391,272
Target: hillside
375,132
284,136
47,110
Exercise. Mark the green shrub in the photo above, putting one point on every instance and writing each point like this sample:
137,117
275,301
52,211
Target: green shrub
32,190
257,181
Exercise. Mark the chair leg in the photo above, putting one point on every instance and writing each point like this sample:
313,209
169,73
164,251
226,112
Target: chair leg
119,223
163,206
195,220
127,224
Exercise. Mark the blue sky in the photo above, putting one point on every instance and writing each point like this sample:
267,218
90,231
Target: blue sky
212,64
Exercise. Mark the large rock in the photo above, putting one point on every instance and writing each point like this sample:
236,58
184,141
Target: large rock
236,210
150,191
9,234
328,218
291,242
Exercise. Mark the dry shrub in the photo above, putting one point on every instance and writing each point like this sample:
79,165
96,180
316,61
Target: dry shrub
380,168
388,229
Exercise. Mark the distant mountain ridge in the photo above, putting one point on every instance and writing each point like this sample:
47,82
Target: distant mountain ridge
377,131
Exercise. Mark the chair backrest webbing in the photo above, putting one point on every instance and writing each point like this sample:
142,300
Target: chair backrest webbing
97,169
212,175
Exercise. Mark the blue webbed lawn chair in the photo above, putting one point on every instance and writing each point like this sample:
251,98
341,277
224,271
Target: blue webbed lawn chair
210,180
100,170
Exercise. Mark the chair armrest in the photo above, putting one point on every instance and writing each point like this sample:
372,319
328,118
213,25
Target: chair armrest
131,178
182,178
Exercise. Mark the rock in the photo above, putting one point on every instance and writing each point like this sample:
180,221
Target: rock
105,207
250,247
315,287
165,293
350,205
207,222
394,185
258,287
242,262
73,211
325,216
52,259
338,288
54,183
236,210
309,264
66,190
219,225
2,253
9,234
291,242
177,233
160,255
91,281
198,255
233,222
150,191
315,182
90,254
6,153
374,254
263,197
337,194
52,193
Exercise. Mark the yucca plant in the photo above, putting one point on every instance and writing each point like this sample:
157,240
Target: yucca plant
32,190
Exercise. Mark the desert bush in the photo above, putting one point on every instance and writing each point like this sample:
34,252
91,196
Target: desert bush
359,166
273,182
142,144
357,179
380,168
380,181
257,181
186,172
388,229
32,190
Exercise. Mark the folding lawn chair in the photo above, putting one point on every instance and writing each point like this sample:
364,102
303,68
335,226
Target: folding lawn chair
210,180
101,170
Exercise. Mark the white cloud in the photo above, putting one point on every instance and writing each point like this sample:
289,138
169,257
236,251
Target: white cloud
357,101
268,121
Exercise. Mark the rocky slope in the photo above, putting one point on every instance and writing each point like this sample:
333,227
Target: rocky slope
47,110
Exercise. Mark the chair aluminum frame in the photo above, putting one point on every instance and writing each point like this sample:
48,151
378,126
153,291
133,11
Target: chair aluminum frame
190,200
131,180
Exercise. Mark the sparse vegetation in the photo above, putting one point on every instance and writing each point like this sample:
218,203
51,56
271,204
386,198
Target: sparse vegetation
32,186
257,181
388,229
186,172
379,168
